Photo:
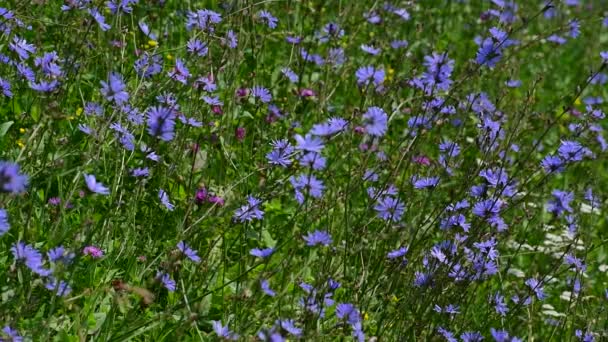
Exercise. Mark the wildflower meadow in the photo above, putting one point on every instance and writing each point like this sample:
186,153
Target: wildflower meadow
323,170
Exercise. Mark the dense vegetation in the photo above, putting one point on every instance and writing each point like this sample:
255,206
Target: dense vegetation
304,170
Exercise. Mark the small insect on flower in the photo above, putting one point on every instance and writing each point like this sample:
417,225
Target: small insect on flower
95,186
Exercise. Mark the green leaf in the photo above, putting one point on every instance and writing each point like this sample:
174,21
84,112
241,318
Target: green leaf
5,127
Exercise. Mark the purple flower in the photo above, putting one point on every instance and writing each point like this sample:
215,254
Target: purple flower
437,75
306,184
48,63
455,221
146,30
293,40
332,126
513,83
161,123
368,74
572,151
59,254
167,281
593,199
402,13
448,335
188,252
270,20
207,82
560,202
487,208
22,48
232,39
424,183
389,208
249,211
10,179
60,287
4,224
290,326
5,87
489,53
164,199
348,312
578,264
45,86
148,65
140,172
399,44
373,17
223,331
197,47
203,20
471,336
281,153
261,93
397,253
31,256
290,74
309,143
180,72
575,28
94,252
536,286
10,332
85,129
318,237
370,49
92,108
261,253
114,89
95,186
99,18
552,164
121,5
556,39
376,121
212,100
500,305
265,285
